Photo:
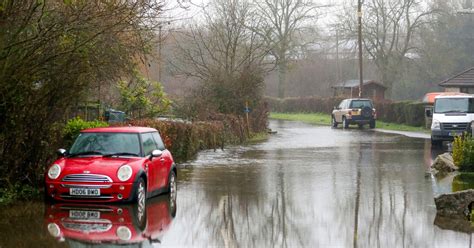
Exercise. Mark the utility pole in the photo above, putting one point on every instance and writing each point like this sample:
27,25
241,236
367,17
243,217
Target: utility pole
361,75
338,66
159,53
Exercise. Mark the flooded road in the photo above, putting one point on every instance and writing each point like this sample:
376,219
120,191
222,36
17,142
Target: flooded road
307,186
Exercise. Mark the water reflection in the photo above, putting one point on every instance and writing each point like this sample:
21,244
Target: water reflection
312,187
79,225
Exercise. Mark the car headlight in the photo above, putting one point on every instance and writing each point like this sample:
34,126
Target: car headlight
54,171
124,173
54,230
435,125
124,233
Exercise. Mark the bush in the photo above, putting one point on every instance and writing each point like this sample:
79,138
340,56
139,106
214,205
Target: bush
303,104
405,112
458,150
463,152
74,127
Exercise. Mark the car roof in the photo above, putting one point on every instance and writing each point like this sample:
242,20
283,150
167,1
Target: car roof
455,96
126,129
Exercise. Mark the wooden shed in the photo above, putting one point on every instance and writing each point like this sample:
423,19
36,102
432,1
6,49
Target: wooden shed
370,89
462,82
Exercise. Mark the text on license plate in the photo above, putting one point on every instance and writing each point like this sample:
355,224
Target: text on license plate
83,191
80,214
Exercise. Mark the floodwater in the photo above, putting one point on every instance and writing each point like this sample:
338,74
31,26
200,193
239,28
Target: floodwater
307,186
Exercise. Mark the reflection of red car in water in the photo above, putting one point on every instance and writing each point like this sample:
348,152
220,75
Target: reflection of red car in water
115,224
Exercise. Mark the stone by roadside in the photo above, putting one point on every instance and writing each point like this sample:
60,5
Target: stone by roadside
443,164
455,205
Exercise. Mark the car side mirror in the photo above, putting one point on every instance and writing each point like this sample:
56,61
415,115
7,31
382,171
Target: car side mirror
61,152
429,113
156,154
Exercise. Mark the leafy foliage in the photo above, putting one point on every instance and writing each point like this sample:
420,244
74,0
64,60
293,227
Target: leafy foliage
458,149
463,152
74,127
52,55
142,98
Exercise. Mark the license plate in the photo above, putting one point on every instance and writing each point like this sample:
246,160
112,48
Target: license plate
454,134
80,214
84,192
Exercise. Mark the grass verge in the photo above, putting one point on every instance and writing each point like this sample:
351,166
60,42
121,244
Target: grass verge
325,119
258,137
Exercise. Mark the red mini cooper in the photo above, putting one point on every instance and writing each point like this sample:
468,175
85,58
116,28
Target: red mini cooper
112,164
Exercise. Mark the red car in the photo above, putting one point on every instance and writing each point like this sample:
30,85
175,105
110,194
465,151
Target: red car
112,164
98,224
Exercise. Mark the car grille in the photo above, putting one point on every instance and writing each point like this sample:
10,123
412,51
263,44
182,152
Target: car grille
454,126
87,178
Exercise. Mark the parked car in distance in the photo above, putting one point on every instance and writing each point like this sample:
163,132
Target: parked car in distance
354,111
112,164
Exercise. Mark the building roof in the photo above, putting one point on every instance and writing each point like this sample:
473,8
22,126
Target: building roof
463,79
354,83
119,130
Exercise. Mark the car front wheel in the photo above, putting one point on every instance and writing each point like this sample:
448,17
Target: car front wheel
333,122
345,123
140,192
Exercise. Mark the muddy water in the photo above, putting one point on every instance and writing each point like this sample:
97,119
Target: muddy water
307,186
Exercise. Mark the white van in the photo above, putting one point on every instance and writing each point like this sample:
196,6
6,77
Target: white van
452,115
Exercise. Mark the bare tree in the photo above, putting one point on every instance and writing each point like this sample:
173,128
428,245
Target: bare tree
389,31
224,54
284,24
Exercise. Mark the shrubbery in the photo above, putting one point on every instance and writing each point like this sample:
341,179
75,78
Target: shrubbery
185,139
74,127
303,104
463,152
406,112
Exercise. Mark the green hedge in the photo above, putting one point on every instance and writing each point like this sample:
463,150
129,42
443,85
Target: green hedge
405,112
74,126
303,104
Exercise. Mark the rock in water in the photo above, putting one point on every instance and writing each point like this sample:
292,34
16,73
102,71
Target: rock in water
444,163
456,205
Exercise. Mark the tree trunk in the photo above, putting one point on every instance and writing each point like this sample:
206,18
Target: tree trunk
281,79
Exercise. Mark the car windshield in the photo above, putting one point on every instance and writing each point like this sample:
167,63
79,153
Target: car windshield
106,144
361,104
454,105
